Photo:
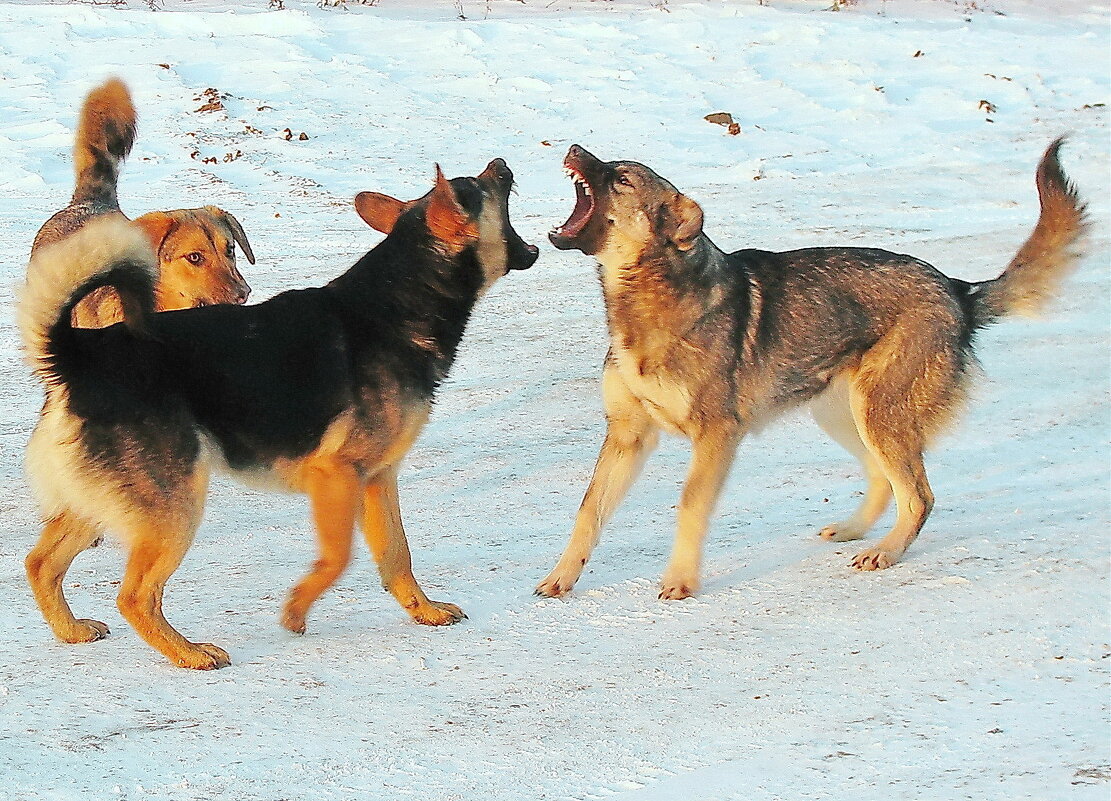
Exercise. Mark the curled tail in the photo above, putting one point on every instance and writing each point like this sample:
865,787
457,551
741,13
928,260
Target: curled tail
1032,278
106,251
105,134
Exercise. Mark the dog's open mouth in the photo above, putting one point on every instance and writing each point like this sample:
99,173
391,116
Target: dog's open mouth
584,208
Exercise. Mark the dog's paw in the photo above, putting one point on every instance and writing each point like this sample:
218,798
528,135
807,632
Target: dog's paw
841,532
875,559
204,656
86,631
554,586
437,613
293,619
677,586
676,593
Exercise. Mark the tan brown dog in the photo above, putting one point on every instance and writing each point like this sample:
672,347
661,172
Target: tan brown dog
712,345
195,247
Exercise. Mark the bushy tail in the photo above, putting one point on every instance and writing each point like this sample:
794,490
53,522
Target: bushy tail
107,251
105,134
1035,273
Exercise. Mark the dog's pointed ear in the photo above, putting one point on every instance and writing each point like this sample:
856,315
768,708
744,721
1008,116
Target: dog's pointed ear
445,218
156,225
379,211
683,222
236,230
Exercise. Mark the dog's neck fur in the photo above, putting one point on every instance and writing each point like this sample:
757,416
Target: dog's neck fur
659,294
409,292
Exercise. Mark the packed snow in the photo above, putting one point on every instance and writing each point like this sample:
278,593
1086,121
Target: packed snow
976,668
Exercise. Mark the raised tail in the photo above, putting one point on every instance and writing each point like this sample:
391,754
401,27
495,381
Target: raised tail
106,251
105,134
1034,275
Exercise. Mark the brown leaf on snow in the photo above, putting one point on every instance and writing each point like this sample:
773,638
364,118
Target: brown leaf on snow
214,99
719,118
987,106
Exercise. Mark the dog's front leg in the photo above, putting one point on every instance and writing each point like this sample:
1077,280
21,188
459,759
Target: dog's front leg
333,490
386,538
712,456
630,437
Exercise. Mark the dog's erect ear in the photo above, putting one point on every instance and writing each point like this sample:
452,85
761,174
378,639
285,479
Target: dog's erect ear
445,218
682,222
379,211
156,225
237,232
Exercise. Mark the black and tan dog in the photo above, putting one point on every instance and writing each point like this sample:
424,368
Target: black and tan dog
321,391
712,345
195,247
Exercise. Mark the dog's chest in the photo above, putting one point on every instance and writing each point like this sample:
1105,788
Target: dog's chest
664,399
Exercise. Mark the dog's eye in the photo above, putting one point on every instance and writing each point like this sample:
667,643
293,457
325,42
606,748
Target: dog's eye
623,180
194,257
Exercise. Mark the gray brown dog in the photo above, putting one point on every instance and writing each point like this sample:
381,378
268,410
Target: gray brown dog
195,247
713,345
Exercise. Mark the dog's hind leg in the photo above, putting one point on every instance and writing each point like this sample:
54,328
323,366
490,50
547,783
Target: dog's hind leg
630,437
712,456
333,490
907,388
386,538
833,413
159,541
63,537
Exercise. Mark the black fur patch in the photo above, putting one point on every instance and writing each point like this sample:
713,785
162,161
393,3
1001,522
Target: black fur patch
265,381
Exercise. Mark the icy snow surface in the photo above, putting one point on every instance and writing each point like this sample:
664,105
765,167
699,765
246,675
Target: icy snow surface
977,668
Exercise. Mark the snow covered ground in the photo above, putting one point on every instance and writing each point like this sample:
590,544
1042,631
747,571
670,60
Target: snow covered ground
977,668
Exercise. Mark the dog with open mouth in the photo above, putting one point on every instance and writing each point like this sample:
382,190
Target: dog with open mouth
320,391
712,345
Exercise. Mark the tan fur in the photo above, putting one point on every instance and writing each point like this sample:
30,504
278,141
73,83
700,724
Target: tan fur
196,261
1035,274
713,346
108,123
105,132
445,218
54,271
